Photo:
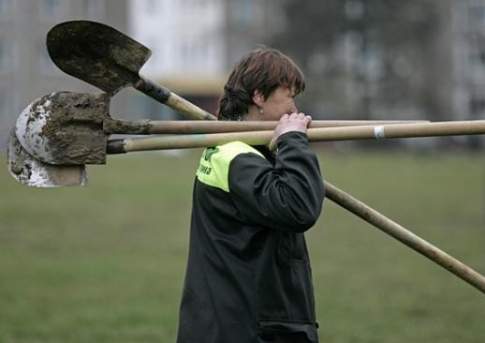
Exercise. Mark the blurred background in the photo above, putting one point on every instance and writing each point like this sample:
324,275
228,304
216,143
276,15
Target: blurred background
363,59
105,263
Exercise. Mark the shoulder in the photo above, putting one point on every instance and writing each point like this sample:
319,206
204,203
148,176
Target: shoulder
227,152
215,162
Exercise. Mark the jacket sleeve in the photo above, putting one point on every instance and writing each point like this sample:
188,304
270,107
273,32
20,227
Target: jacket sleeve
287,196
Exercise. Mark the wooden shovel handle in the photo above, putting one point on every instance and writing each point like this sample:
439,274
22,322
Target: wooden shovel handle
405,236
317,134
147,127
169,98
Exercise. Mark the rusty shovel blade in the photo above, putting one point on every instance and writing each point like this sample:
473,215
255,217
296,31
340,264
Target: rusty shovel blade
97,54
65,128
33,173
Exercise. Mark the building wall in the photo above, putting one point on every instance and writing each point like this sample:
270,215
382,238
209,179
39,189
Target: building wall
195,43
249,24
187,40
469,58
186,37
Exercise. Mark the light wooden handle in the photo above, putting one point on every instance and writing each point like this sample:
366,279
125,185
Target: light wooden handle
147,127
317,134
447,128
405,236
167,97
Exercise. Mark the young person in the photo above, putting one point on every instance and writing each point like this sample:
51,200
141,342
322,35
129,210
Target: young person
248,277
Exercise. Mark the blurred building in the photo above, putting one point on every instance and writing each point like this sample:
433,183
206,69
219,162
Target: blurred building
195,43
249,24
469,58
26,71
187,43
186,37
423,59
367,59
383,61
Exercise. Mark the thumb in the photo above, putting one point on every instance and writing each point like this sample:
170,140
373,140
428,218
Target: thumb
272,144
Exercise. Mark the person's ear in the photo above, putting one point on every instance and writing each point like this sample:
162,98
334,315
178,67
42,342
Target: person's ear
258,98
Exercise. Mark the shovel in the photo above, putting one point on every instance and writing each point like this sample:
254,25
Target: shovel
108,59
67,128
34,173
149,127
408,130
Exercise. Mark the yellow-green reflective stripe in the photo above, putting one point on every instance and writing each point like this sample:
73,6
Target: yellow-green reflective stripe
214,164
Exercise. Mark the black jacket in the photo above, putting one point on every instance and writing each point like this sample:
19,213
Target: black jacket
248,272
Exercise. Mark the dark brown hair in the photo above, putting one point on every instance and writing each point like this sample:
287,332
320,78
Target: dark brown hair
263,69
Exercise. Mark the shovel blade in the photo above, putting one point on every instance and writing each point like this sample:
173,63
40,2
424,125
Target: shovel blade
34,173
65,128
97,54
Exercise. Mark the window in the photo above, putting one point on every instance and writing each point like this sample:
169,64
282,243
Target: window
243,12
185,51
354,9
475,64
477,104
3,104
5,6
6,114
46,66
151,6
5,55
95,9
476,14
51,8
476,56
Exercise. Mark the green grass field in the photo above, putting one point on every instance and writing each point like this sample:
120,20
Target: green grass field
105,263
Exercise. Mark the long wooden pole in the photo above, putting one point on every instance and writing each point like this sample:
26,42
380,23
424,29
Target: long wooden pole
147,127
318,134
405,236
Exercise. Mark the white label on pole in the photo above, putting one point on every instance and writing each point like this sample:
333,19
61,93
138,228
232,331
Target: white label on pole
379,132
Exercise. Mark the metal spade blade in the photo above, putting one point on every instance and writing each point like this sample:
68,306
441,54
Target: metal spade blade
96,53
34,173
65,128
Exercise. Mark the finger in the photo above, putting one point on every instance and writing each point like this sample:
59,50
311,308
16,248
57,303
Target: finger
272,144
285,117
308,120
